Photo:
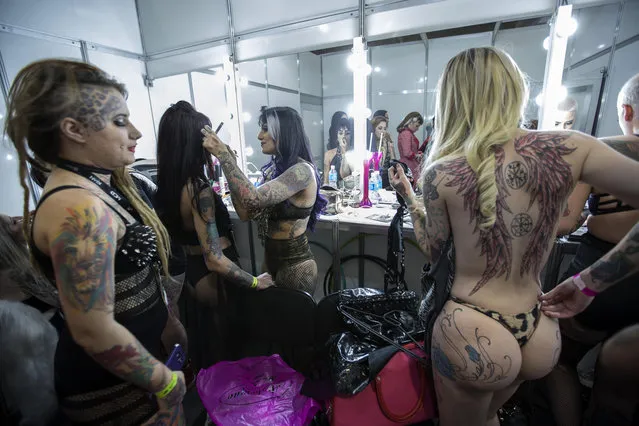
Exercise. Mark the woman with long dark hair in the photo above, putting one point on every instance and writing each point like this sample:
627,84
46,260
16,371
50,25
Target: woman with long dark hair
339,142
99,242
287,203
198,220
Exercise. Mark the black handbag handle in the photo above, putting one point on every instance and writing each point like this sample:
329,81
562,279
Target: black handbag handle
395,257
342,310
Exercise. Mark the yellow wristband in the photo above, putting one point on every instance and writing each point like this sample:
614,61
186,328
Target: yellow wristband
254,285
167,390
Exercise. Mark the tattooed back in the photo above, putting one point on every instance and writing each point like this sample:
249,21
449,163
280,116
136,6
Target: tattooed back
534,174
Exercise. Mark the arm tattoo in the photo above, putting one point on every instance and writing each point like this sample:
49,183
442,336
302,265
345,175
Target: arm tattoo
620,263
83,256
239,275
96,106
627,148
289,183
213,243
207,212
132,363
174,417
471,362
430,226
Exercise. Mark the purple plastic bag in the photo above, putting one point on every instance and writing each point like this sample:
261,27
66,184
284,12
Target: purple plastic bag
260,391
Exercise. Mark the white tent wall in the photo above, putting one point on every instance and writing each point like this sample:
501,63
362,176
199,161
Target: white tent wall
109,35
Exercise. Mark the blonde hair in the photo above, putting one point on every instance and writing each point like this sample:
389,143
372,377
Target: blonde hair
41,96
481,99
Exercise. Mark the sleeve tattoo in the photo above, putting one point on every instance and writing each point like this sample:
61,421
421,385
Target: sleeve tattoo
272,192
213,246
620,263
82,255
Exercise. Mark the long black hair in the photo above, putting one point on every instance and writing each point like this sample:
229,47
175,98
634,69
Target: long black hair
285,126
337,122
181,160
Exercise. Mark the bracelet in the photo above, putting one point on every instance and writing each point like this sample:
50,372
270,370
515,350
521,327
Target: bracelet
254,285
576,279
169,387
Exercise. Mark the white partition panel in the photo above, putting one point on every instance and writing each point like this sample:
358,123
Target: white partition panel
210,99
19,51
253,71
451,14
253,99
131,73
525,45
167,91
188,61
282,71
110,23
440,51
337,77
312,118
322,36
168,24
281,98
585,41
311,74
250,15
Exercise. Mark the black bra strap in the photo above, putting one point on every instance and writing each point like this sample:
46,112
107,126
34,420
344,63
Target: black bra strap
57,189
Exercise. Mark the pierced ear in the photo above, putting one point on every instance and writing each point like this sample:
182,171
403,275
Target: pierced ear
74,130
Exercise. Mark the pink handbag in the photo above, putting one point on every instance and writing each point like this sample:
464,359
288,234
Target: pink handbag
401,394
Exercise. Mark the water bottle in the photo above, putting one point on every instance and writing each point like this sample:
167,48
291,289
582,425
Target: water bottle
332,177
372,188
378,181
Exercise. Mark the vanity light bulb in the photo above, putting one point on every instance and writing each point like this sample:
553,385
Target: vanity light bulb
567,27
562,93
246,117
547,43
539,99
248,151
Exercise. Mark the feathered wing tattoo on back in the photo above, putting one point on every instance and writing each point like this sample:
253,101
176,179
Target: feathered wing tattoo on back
549,183
543,174
495,242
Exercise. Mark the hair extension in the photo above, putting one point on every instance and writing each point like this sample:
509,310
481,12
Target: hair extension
123,182
480,101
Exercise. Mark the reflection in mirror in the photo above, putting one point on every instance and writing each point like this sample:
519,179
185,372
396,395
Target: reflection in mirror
602,55
316,84
406,72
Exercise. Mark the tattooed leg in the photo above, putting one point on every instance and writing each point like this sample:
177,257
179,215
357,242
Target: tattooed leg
477,361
